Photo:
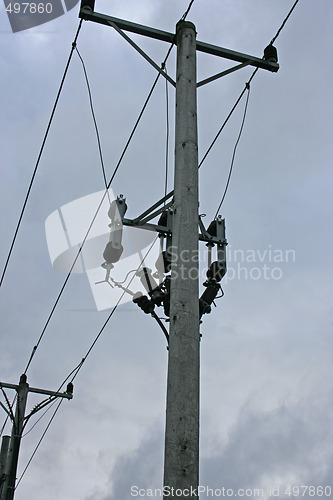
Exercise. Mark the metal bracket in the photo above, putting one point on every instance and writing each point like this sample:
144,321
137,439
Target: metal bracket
141,221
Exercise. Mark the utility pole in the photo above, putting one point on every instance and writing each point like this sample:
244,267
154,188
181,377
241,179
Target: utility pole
181,460
11,446
181,303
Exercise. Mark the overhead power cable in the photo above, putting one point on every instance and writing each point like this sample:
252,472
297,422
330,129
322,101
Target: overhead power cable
76,370
222,126
94,118
187,11
39,155
284,23
235,148
247,87
97,211
167,136
40,418
39,442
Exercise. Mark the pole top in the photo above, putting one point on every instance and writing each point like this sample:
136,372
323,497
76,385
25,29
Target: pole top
184,24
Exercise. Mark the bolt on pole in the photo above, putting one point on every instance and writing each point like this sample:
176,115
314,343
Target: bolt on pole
181,461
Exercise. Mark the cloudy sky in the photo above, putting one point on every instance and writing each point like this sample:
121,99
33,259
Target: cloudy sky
266,351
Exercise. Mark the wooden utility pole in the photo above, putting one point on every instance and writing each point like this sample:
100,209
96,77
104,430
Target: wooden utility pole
181,466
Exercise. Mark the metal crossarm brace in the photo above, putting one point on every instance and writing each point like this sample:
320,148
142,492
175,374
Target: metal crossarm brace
156,205
138,49
223,73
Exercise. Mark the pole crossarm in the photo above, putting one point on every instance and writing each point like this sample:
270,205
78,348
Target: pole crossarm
40,391
237,56
165,36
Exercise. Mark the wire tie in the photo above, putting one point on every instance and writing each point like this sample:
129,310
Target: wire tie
74,45
247,85
163,65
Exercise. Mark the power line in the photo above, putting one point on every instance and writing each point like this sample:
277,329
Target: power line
97,211
40,418
39,442
187,11
39,155
222,126
94,118
234,151
284,22
167,135
106,191
111,314
247,87
76,370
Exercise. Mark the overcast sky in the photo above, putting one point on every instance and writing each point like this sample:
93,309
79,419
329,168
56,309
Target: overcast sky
266,350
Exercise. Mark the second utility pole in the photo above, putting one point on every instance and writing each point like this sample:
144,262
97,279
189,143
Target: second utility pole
181,466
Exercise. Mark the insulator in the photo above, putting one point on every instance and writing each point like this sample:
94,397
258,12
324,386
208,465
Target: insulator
270,53
207,298
216,271
163,263
136,297
112,254
212,228
70,388
166,306
88,4
147,279
120,205
162,221
142,300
